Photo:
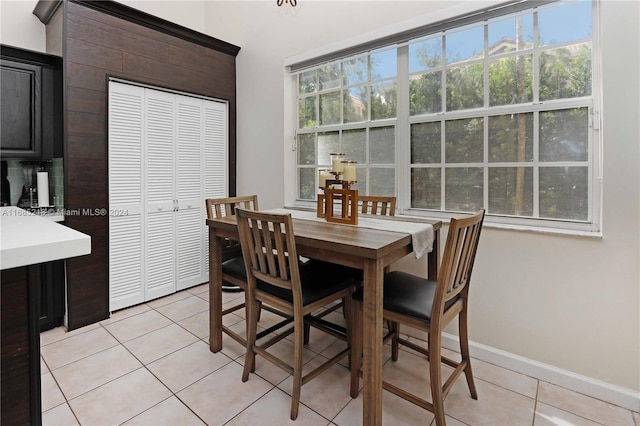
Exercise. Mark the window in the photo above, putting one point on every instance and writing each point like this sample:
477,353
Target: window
349,106
496,114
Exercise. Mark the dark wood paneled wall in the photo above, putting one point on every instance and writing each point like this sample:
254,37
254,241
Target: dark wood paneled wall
97,45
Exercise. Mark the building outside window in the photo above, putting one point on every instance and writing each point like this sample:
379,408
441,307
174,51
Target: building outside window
500,114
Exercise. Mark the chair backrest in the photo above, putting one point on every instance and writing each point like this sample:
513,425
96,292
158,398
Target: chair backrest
371,204
457,259
221,207
269,249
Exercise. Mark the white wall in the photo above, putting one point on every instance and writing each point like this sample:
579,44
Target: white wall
188,13
19,27
570,302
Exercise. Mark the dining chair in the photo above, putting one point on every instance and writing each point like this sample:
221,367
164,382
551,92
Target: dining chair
234,275
277,277
428,306
377,205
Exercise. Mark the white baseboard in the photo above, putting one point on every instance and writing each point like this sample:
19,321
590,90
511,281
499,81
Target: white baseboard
617,395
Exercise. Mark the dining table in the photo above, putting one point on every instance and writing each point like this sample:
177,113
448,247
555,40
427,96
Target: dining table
357,246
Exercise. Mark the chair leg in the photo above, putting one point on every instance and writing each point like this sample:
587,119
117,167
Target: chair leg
435,377
347,307
298,333
307,333
252,325
355,356
259,310
463,333
395,346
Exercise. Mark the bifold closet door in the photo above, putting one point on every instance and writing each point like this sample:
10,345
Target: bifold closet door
190,205
167,153
160,193
126,195
216,141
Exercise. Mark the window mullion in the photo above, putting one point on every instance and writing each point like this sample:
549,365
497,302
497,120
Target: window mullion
403,132
485,134
536,164
443,169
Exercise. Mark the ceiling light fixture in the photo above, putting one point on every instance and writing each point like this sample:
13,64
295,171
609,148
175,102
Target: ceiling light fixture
291,2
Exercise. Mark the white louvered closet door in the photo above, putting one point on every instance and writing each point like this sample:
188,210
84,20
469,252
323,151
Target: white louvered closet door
167,153
216,141
126,257
190,177
160,191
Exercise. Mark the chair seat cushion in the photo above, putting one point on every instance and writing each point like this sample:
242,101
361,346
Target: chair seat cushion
407,294
235,268
317,281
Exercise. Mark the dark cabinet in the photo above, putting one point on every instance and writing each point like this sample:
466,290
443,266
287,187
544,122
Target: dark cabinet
30,104
21,108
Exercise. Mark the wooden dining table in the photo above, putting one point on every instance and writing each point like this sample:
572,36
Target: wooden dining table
370,250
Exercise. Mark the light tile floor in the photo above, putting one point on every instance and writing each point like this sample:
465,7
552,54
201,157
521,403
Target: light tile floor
151,365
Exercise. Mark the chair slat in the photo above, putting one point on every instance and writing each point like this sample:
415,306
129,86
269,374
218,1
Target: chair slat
377,205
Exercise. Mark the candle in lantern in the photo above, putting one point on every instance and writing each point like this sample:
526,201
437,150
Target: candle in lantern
349,168
325,175
336,162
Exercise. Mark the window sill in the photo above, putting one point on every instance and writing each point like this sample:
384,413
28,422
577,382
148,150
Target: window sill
491,222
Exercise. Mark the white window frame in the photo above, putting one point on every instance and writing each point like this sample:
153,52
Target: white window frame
591,228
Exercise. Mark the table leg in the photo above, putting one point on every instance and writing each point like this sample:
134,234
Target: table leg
215,292
372,343
433,259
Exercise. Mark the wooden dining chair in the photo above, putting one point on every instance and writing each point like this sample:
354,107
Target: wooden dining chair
234,275
428,306
278,278
377,205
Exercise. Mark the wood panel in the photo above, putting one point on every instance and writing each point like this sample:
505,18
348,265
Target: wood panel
137,47
85,99
20,362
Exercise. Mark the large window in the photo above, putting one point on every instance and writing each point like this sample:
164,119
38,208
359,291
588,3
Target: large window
497,114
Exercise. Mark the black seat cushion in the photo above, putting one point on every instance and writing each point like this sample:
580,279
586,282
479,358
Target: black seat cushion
408,294
235,268
317,281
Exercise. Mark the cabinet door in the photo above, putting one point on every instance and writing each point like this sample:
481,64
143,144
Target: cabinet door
20,109
126,192
191,214
160,192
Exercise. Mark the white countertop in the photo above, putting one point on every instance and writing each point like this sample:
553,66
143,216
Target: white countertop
27,239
